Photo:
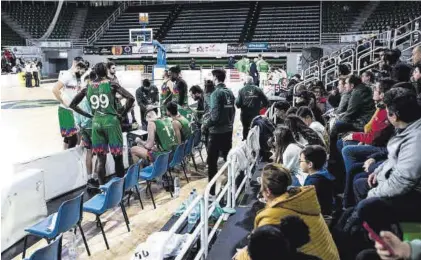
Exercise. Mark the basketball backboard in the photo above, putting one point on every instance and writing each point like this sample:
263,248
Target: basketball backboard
140,36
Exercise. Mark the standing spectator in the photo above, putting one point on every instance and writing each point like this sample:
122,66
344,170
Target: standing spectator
220,123
192,64
35,74
111,72
28,75
146,95
39,66
253,72
231,62
251,100
179,94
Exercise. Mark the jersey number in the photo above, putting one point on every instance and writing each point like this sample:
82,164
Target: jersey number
102,101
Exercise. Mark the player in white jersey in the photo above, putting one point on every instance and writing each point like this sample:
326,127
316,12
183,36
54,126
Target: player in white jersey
65,90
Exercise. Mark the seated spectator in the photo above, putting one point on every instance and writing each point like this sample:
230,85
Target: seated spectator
308,118
367,77
312,161
395,186
287,151
416,75
295,201
292,111
343,70
281,108
280,241
319,92
180,124
307,98
345,92
401,72
302,133
335,94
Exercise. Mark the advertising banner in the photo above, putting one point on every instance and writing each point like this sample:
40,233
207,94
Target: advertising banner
236,49
25,50
355,37
277,47
106,50
177,48
90,50
261,46
210,49
55,44
143,18
143,49
135,67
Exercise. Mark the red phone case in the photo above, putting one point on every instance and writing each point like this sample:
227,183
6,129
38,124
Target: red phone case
377,238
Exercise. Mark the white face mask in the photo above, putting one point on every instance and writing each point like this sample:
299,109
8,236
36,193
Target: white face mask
118,96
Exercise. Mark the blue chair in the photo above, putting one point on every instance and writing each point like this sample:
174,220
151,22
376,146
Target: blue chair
177,159
131,181
157,169
50,252
69,216
198,143
111,197
188,151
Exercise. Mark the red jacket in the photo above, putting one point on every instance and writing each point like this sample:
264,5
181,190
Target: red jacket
377,123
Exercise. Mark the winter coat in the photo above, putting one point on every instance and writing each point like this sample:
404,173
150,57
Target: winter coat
377,123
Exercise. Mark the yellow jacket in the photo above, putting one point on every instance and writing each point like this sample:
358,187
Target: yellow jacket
304,205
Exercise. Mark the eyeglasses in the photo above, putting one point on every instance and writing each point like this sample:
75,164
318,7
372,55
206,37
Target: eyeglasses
303,161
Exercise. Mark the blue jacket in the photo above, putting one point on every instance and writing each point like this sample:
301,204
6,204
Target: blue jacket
323,182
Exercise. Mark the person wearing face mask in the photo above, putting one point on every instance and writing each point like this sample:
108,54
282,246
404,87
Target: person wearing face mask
111,72
66,88
146,95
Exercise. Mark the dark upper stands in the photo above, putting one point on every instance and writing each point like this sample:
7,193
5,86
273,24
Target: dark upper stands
62,28
10,37
392,14
338,16
34,17
209,23
283,22
118,33
95,17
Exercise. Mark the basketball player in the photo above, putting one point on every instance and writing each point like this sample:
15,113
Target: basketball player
180,124
106,128
112,71
161,137
263,69
166,91
65,90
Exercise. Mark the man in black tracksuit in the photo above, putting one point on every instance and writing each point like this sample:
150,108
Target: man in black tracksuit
146,95
250,100
220,123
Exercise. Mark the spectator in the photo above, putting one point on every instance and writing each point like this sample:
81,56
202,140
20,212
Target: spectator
180,124
253,72
307,98
394,187
287,151
281,108
367,77
334,98
282,201
345,96
34,71
280,242
220,123
250,100
401,72
179,93
343,70
292,111
28,75
302,133
39,66
308,118
231,62
416,54
312,161
416,75
192,64
146,95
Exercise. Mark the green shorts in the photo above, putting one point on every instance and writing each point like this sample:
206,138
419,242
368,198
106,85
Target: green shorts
106,132
66,122
86,136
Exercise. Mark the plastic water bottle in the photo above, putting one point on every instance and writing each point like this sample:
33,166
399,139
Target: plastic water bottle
193,214
72,247
176,187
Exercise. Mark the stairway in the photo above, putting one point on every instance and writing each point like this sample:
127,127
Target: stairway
78,22
166,26
252,22
364,15
5,18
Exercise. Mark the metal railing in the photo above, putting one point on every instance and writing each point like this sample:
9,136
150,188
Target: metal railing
98,33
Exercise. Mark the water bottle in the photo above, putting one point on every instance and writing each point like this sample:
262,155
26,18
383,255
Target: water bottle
197,208
72,247
193,214
176,187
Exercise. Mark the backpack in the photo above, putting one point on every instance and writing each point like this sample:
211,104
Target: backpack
266,128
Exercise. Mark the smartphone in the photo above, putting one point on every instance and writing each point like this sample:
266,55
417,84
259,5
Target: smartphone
377,238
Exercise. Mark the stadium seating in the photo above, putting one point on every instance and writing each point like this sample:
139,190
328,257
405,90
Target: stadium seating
339,16
10,37
118,33
95,17
208,23
64,23
280,22
392,14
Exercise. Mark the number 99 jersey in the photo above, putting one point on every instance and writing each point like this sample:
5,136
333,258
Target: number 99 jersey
101,98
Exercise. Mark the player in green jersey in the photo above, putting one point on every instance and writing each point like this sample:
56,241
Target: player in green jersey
180,124
106,129
161,137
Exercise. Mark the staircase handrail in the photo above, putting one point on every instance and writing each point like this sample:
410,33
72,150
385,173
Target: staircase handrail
105,25
396,38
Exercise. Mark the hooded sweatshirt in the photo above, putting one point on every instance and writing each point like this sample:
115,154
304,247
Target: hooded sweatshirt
304,205
401,172
323,182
